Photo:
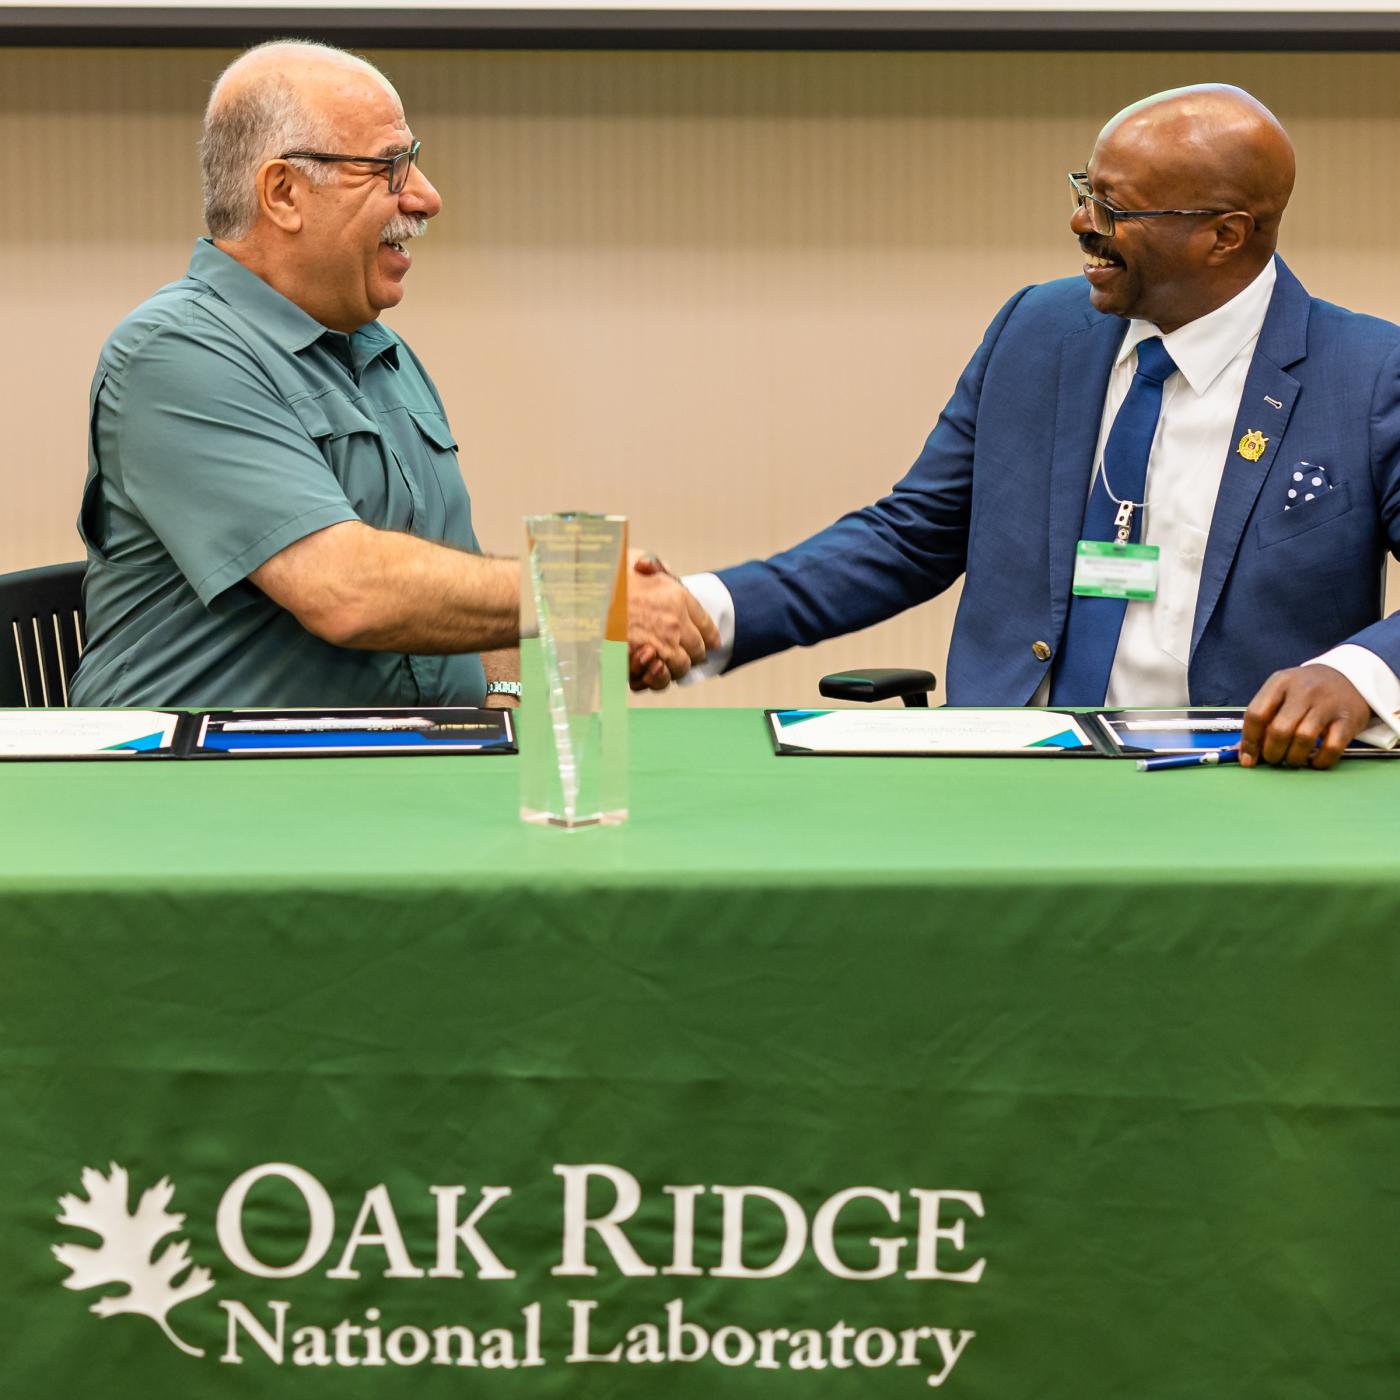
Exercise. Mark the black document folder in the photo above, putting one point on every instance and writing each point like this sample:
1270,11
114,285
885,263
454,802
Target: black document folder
136,735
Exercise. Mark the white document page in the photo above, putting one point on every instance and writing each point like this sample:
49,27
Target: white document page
80,733
916,731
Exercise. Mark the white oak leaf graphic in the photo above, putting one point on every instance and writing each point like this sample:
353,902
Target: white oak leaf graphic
127,1253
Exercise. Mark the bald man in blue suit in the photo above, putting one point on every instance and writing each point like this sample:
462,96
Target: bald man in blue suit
1279,429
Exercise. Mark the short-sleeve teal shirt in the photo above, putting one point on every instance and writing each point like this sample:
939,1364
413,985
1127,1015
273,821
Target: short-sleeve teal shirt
225,425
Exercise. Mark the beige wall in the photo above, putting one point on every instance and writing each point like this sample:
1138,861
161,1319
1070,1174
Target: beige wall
725,293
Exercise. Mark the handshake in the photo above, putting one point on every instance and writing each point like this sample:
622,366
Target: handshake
668,631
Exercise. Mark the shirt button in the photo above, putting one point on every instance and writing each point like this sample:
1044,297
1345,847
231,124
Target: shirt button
1041,650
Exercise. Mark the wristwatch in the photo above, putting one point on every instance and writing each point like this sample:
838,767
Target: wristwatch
503,688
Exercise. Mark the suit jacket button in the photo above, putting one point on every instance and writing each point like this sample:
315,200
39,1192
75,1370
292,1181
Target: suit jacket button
1041,650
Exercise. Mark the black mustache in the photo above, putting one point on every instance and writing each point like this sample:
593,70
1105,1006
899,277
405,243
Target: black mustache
1096,250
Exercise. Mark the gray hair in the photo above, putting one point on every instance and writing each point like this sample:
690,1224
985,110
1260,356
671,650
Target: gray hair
262,117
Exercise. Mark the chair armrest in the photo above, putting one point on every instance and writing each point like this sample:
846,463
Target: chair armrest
881,683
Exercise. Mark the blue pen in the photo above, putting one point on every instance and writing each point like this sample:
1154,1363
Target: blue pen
1208,757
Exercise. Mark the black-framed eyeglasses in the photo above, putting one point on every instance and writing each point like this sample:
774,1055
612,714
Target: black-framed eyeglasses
395,167
1103,215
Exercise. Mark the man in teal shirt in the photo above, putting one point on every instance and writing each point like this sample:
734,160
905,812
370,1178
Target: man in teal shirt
273,512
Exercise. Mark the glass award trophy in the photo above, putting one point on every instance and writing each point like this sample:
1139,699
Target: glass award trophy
573,670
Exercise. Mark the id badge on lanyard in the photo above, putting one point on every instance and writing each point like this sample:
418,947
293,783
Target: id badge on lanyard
1115,568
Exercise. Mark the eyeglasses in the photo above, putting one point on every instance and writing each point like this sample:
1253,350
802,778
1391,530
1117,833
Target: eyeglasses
395,167
1103,215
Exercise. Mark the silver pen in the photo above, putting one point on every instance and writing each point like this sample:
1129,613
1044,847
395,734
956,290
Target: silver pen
329,724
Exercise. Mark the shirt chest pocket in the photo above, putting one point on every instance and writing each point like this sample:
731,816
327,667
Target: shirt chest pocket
432,450
359,458
1178,583
434,428
434,439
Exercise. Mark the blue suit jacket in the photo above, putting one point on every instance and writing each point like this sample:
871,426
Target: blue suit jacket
998,493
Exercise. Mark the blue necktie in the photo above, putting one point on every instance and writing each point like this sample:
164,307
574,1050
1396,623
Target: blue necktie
1091,634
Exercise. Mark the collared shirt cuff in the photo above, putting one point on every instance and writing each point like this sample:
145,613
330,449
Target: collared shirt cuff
1379,687
715,598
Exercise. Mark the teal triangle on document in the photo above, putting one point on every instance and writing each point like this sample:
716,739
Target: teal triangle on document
1065,739
791,717
144,744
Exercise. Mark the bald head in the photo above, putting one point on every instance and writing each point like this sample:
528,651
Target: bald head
1223,148
296,61
272,99
1197,179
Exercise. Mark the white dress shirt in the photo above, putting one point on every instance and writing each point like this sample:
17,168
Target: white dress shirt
1188,459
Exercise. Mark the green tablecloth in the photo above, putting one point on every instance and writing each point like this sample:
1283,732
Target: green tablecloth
1122,1051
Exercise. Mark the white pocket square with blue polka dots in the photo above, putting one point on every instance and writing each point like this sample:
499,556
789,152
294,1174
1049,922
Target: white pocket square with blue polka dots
1306,482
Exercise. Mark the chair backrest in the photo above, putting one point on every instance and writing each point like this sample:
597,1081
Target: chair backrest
41,634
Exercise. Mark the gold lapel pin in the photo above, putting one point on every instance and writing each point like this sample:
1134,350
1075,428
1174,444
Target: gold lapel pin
1252,445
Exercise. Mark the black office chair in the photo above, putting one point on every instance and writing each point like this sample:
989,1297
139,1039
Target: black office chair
879,684
41,634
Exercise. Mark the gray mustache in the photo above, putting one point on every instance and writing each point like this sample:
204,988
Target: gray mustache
403,227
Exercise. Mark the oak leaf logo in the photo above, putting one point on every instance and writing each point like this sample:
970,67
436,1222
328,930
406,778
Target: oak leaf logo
127,1253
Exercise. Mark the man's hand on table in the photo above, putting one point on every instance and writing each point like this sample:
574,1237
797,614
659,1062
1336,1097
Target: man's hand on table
1303,717
668,630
